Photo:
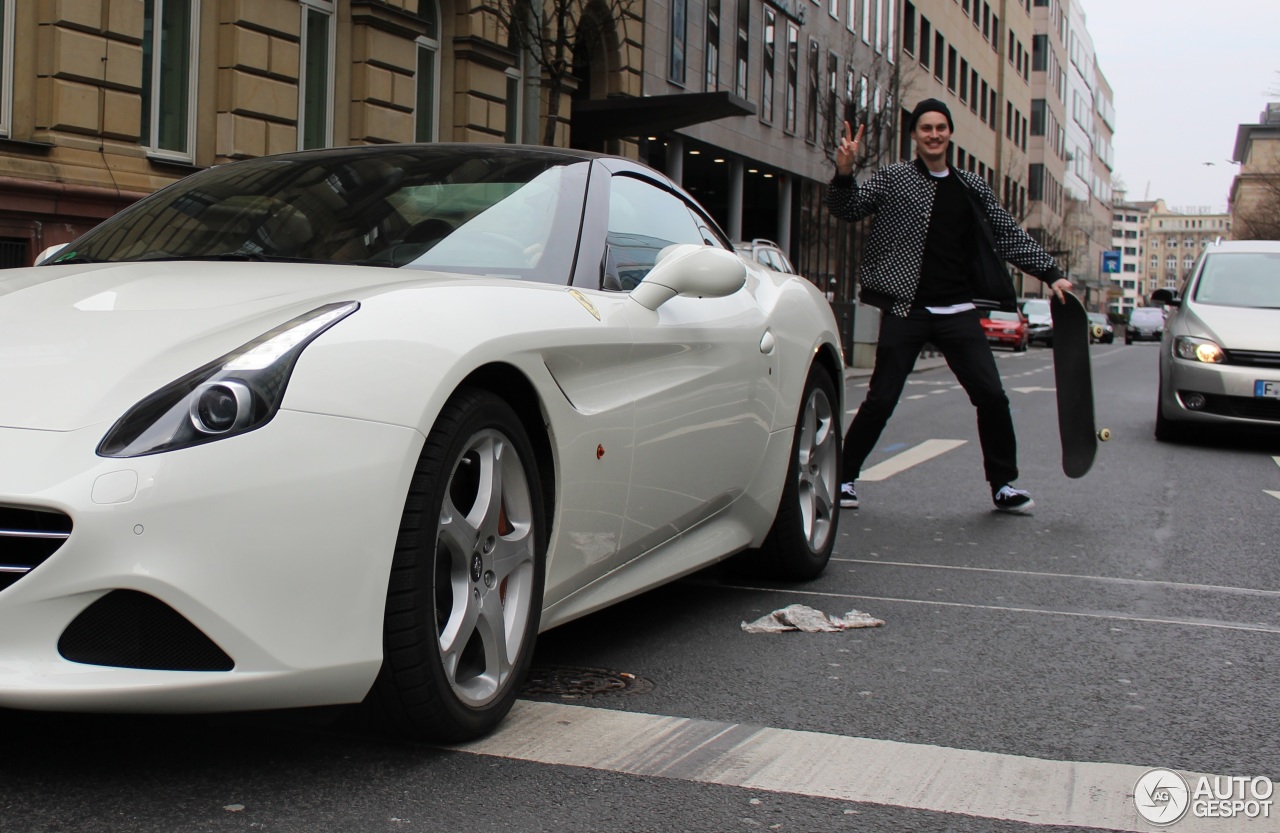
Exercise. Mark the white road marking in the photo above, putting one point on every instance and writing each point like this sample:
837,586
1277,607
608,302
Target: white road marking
1277,459
933,778
926,450
1275,495
1110,617
917,396
1176,585
1034,389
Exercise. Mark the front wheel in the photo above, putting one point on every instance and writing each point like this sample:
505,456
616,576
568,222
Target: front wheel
1167,431
799,545
465,594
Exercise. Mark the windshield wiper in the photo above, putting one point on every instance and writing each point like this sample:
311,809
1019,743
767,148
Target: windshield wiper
73,258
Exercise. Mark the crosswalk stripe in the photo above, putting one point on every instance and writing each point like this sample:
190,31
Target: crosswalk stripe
926,450
892,773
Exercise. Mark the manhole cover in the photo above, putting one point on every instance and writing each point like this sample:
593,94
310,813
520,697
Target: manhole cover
560,683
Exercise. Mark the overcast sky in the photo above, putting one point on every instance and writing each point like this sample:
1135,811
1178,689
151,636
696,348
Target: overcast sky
1185,74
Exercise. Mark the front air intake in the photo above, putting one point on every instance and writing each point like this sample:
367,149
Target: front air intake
128,629
27,538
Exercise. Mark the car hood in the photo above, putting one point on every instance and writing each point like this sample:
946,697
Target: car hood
82,344
1237,328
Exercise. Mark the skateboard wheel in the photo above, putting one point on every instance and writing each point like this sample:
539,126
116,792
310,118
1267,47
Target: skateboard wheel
1104,434
1097,331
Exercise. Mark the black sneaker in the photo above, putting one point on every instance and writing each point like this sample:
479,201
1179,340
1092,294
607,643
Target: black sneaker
848,496
1009,499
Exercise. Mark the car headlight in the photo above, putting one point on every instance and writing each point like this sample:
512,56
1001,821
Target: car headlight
237,393
1198,349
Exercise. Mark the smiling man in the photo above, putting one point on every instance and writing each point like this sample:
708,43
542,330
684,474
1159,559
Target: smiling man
936,251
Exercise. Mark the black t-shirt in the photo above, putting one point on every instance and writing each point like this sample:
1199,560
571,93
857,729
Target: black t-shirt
945,272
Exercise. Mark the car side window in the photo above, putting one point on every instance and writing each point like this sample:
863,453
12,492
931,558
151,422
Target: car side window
643,220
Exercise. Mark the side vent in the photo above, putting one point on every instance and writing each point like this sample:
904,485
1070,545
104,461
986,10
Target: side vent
27,538
128,629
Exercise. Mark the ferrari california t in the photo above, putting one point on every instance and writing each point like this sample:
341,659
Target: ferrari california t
353,426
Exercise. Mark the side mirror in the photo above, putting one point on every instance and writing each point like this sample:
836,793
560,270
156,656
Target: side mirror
690,269
49,253
1165,297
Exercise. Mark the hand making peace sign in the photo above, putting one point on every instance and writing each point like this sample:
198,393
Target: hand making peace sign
848,150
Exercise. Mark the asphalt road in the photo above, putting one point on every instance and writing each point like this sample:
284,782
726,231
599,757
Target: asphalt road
1131,621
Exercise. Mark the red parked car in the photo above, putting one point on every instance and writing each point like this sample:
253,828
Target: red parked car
1006,328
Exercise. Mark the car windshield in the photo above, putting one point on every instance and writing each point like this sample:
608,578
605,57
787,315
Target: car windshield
998,315
477,210
1146,316
1240,279
1097,316
1037,307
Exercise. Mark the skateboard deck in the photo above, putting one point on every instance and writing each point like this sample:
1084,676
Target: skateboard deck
1073,377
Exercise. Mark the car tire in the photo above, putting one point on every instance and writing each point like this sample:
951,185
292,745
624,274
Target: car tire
464,598
799,544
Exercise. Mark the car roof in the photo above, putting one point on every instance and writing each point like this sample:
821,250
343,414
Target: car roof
1245,246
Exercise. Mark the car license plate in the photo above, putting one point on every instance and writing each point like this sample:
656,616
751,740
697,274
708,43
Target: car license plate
1270,390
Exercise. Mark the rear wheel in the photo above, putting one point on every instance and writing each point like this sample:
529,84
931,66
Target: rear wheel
465,594
799,545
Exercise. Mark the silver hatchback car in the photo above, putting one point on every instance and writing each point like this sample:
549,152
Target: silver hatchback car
1220,354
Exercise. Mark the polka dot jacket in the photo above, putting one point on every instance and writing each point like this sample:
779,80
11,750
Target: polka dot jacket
901,198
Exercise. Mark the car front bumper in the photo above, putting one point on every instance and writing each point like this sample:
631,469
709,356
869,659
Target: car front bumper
1222,393
275,544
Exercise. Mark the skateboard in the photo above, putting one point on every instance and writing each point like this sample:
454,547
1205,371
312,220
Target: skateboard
1077,426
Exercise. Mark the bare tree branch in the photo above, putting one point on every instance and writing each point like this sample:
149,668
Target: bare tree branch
548,32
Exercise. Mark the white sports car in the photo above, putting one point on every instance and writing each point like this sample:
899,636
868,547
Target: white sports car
354,425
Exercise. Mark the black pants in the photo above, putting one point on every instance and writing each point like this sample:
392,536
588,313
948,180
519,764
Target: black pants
960,338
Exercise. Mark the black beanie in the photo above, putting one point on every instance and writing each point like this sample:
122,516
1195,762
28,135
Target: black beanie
931,105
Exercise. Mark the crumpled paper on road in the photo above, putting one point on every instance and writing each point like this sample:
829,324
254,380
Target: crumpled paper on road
809,620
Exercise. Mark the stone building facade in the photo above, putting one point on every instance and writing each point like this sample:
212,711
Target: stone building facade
105,101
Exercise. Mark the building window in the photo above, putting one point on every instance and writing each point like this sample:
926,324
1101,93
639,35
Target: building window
811,100
6,66
834,126
1037,117
1040,52
973,90
742,60
793,77
679,12
939,45
909,29
964,81
1035,181
833,8
713,45
315,81
890,18
982,99
952,58
986,21
168,84
926,38
770,53
866,21
427,94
